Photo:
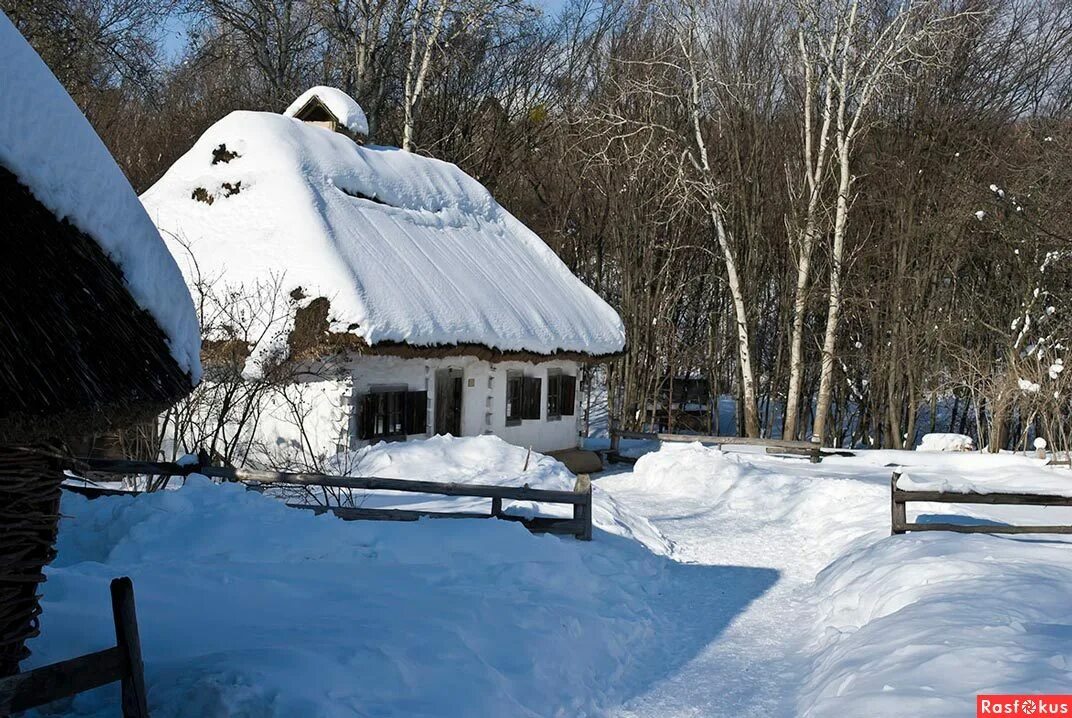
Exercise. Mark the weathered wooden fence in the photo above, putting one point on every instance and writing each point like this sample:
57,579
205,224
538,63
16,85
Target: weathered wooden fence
121,662
774,446
580,499
899,498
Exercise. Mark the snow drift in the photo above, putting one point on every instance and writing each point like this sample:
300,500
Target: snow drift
946,442
405,248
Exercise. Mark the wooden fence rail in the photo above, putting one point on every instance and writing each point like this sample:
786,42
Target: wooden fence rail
774,446
580,525
122,662
899,498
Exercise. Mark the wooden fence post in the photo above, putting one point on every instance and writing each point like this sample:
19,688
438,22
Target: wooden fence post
816,455
583,512
899,518
128,641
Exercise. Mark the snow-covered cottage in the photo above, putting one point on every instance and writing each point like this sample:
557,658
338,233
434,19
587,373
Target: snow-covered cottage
449,315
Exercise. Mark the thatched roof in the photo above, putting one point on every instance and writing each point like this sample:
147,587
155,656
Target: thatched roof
407,251
78,355
96,324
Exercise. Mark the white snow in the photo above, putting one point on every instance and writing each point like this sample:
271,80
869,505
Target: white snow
52,149
946,442
1028,477
482,460
782,594
432,259
345,108
1027,386
247,607
858,622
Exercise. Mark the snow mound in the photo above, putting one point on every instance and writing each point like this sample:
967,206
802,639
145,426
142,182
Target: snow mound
406,248
919,624
344,107
946,442
1030,477
247,607
52,149
485,460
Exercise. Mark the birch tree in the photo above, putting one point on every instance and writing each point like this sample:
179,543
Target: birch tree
816,122
434,26
864,46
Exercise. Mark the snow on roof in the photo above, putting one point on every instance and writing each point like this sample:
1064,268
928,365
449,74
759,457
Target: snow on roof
345,108
52,149
406,248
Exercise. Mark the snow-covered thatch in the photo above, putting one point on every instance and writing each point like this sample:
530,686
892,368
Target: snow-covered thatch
48,145
409,251
343,108
97,325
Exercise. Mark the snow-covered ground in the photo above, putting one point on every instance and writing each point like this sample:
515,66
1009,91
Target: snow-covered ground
732,584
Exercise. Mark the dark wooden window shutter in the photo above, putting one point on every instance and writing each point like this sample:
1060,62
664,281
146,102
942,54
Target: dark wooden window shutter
514,391
531,397
554,395
416,412
366,421
569,395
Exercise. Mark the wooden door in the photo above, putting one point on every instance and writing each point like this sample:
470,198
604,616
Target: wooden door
448,402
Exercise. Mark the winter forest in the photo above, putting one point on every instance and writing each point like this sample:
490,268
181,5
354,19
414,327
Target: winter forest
851,216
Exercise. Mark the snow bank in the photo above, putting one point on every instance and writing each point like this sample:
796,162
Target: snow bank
484,460
247,607
1026,479
52,149
919,624
344,107
406,248
899,625
946,442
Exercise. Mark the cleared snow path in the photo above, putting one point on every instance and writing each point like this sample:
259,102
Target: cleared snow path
734,513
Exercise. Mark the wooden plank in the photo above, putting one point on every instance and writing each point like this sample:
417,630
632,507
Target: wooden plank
368,483
1010,499
372,483
720,440
536,524
124,466
794,450
348,513
546,524
989,529
40,686
95,492
128,642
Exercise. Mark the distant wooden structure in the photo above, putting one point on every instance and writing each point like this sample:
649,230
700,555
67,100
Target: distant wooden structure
121,662
899,498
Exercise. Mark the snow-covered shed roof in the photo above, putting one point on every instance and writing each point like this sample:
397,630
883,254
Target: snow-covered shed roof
50,147
408,250
344,108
